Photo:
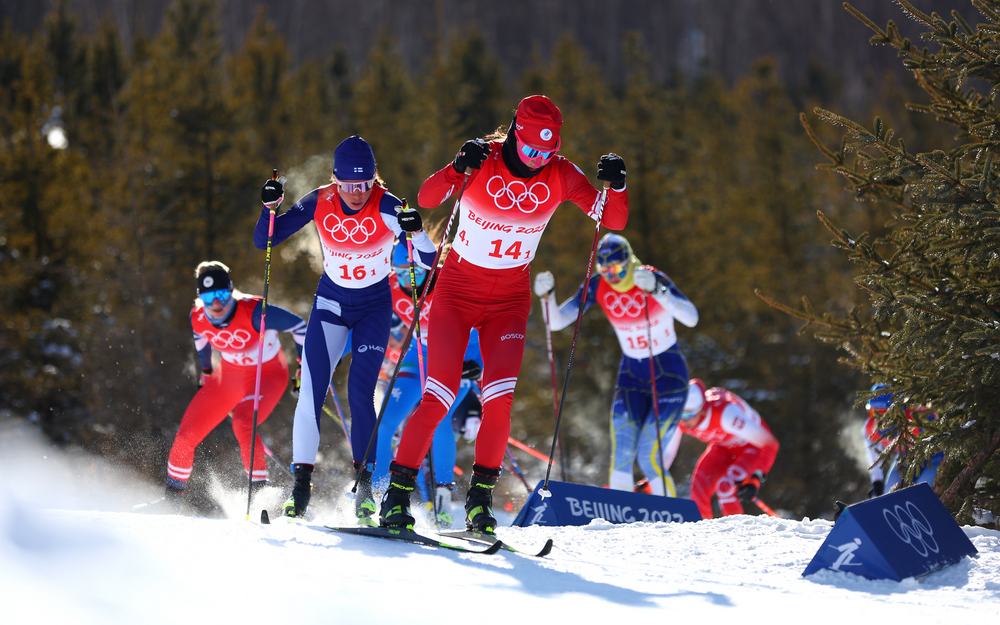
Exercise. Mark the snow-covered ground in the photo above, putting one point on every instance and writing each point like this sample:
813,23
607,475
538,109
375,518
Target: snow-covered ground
85,561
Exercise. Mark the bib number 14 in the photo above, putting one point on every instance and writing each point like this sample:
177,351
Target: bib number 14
514,251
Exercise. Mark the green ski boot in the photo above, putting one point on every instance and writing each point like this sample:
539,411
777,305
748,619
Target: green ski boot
479,501
296,505
364,499
395,510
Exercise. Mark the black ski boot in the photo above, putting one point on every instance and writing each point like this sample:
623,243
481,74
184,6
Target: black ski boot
364,499
296,505
396,502
479,501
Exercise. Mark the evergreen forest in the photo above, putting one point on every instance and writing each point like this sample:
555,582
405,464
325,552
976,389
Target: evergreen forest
121,170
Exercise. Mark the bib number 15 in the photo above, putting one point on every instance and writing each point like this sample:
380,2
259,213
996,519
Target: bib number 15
638,342
514,250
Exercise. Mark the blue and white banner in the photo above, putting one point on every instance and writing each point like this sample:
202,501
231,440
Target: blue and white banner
903,534
575,504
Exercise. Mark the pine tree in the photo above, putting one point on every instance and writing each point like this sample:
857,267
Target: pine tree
933,329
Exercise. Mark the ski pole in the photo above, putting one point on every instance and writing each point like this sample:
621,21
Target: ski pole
766,508
537,454
517,469
413,293
555,390
576,335
656,400
340,413
409,333
420,360
272,207
270,454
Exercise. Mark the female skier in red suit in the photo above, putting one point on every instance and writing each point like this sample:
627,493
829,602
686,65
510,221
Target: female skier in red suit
513,184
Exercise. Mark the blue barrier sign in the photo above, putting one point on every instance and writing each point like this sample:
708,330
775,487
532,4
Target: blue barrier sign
576,504
903,534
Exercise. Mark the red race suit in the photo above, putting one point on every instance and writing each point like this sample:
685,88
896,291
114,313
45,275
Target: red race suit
484,284
739,443
230,389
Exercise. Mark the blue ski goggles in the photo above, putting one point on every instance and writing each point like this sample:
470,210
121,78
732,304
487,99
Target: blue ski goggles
403,274
614,270
223,295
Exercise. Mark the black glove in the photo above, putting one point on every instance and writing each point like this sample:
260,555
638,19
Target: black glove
409,220
473,154
878,489
272,191
612,169
841,506
471,370
748,490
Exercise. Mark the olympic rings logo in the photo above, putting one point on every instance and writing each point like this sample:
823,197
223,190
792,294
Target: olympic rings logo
349,229
624,305
235,340
726,487
404,308
912,527
510,195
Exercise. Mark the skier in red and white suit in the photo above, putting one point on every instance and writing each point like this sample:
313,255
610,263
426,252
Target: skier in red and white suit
741,448
229,322
513,184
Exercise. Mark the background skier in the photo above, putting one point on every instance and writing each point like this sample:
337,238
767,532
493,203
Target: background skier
228,321
626,290
408,388
740,452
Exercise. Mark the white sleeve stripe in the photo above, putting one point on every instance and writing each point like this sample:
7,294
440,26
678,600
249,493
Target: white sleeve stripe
178,472
200,342
594,213
440,391
489,386
436,395
498,389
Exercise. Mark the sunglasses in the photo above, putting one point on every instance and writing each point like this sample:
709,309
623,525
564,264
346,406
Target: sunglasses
353,187
530,152
617,269
223,295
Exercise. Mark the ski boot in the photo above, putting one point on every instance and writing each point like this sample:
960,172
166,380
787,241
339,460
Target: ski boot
296,505
479,501
442,501
364,499
396,501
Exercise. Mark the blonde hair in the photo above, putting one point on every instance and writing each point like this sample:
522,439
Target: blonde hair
500,134
208,265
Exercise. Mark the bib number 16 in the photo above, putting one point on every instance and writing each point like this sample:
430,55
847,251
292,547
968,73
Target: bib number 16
359,272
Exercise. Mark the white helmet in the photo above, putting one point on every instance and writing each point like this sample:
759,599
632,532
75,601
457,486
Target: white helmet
695,399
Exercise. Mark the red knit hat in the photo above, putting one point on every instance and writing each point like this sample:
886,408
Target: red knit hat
538,122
